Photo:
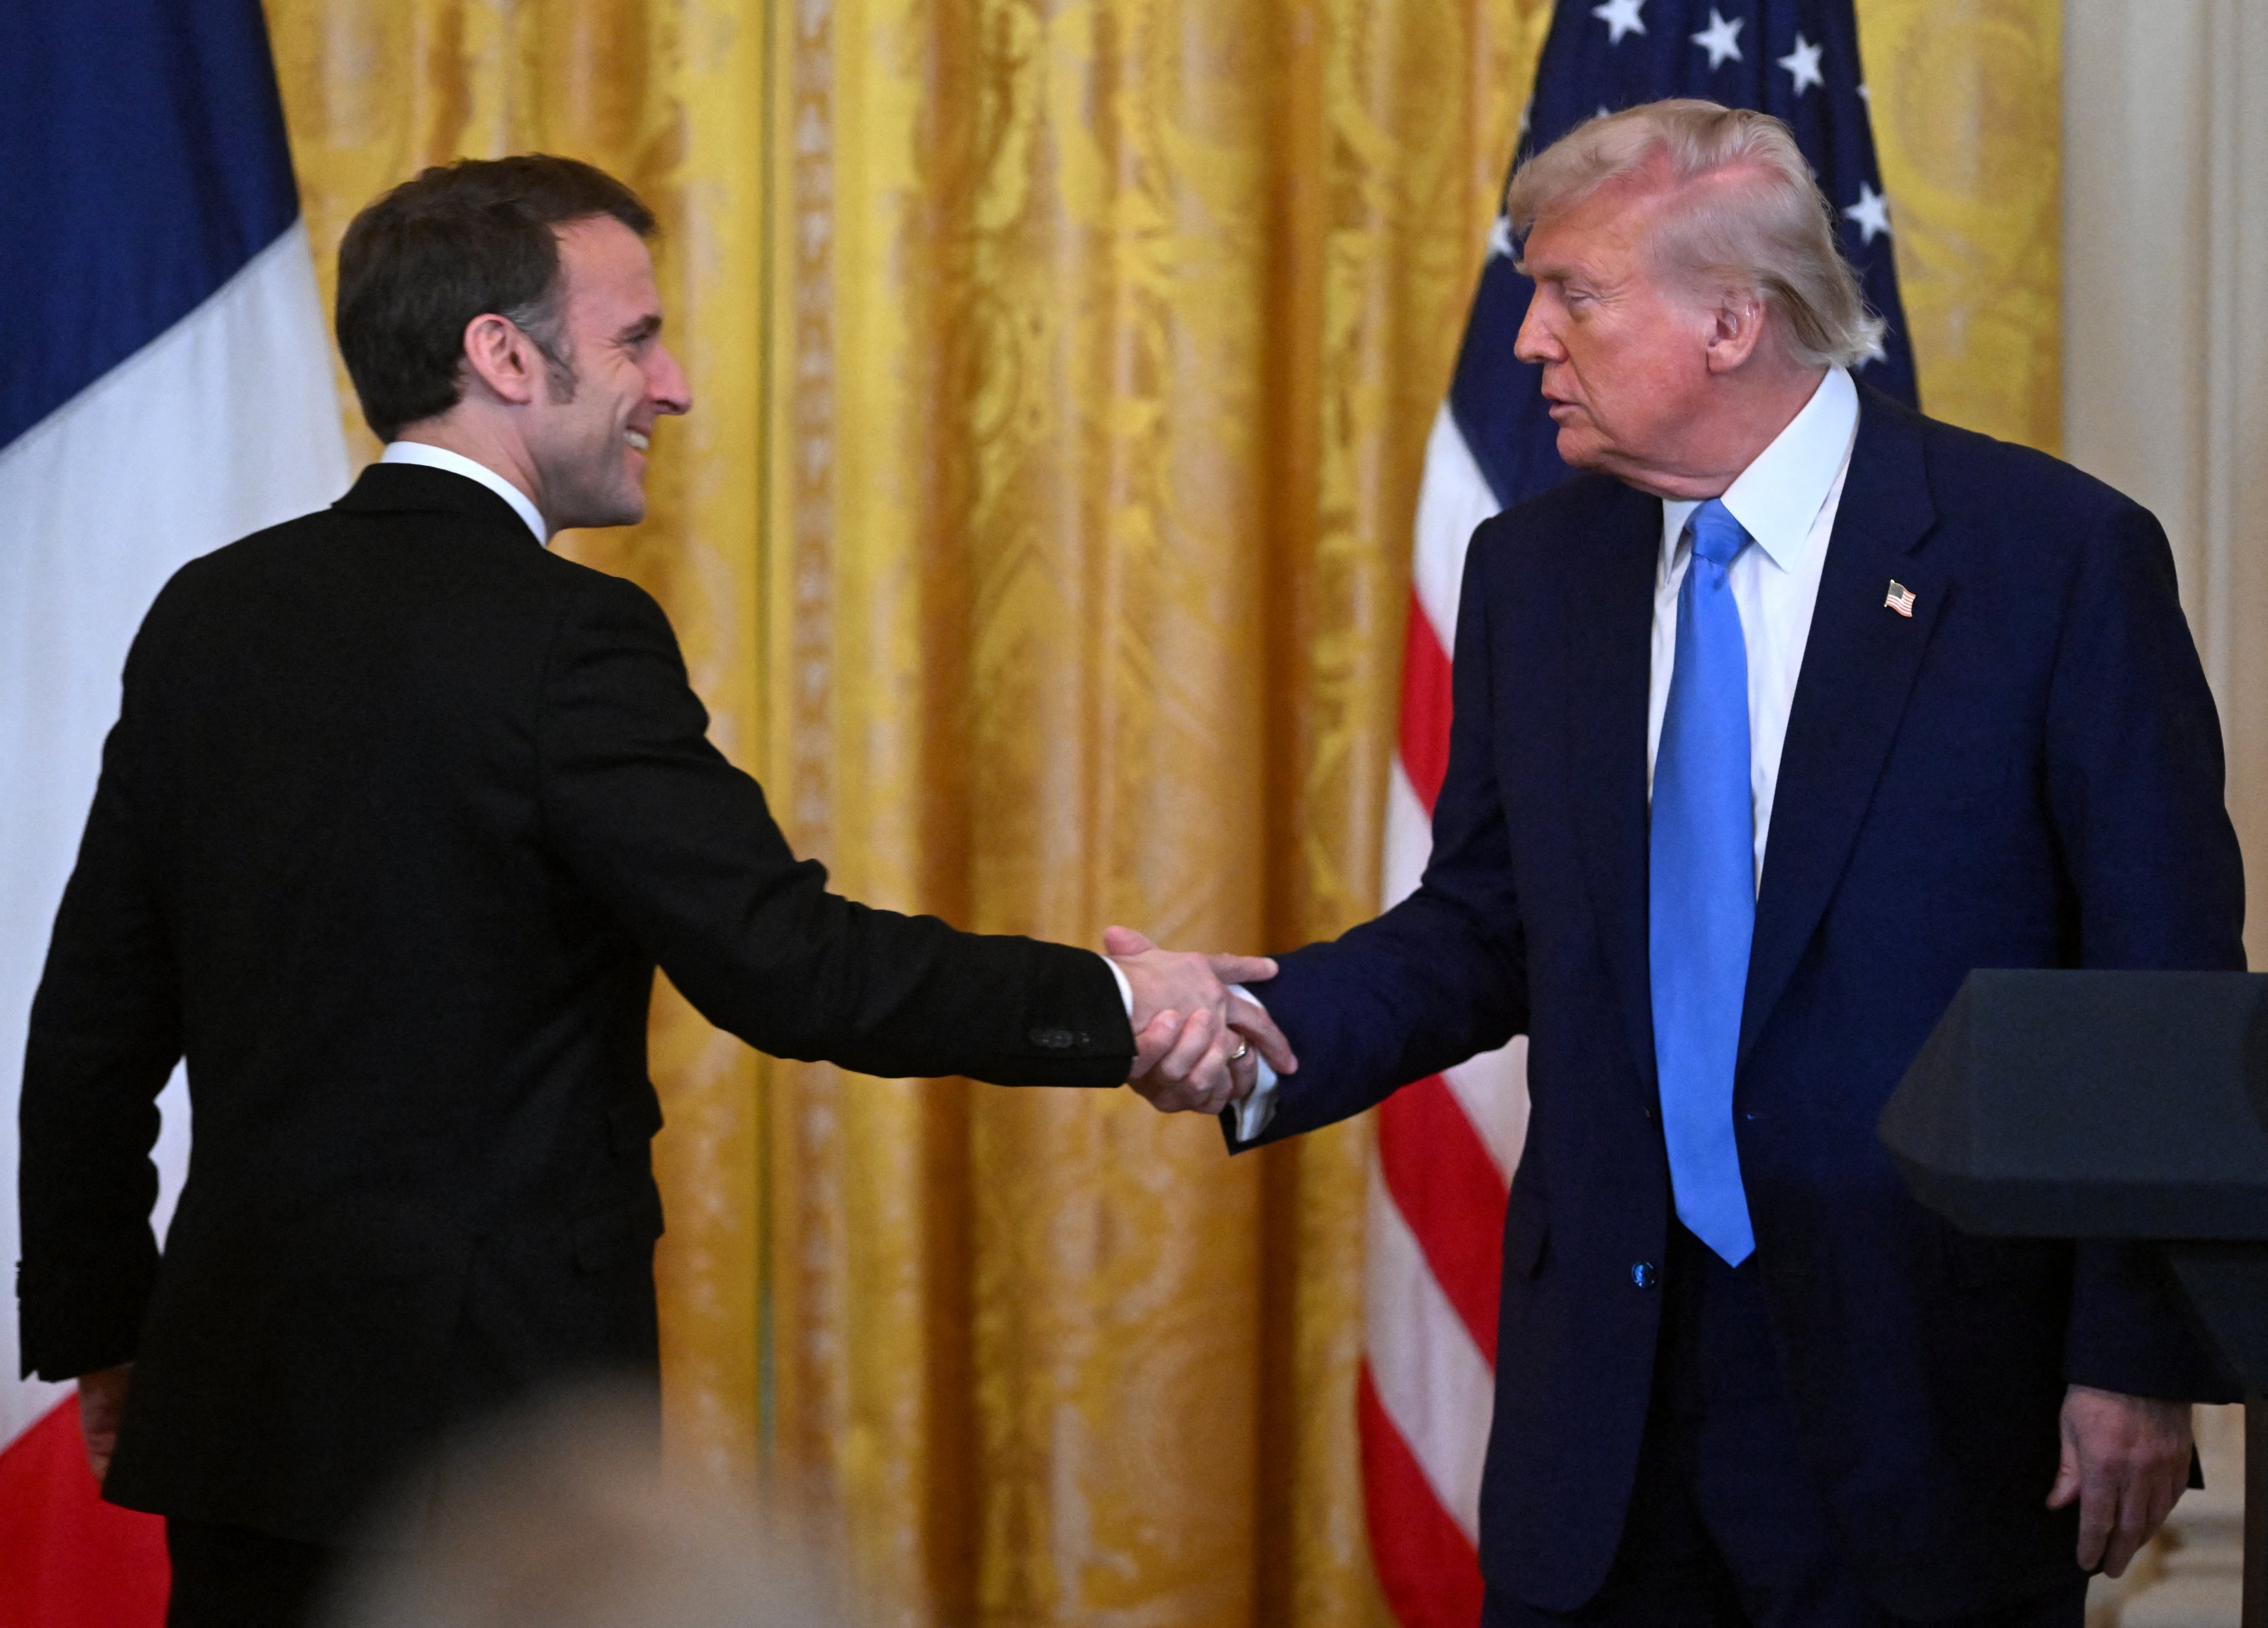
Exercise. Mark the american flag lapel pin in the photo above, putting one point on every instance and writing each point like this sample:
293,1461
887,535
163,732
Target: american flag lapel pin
1901,598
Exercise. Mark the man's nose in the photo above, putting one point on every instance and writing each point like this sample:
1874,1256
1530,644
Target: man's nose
1536,342
665,384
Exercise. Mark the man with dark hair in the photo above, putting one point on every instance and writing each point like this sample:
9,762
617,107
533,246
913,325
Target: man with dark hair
401,814
430,255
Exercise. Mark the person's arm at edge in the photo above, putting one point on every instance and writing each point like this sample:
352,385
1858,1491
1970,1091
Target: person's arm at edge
2135,777
682,845
103,1036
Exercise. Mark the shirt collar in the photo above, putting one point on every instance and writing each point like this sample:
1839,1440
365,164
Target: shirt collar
457,463
1777,497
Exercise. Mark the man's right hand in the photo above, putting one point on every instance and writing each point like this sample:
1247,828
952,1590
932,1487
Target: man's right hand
101,1406
1187,1056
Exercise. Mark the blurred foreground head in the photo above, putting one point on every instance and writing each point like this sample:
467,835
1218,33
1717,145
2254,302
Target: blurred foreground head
565,1517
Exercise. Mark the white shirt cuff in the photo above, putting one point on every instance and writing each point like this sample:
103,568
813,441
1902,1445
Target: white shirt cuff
1126,988
1254,1113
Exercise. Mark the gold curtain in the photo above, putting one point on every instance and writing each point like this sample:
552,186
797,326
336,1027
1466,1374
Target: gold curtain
1966,98
1062,372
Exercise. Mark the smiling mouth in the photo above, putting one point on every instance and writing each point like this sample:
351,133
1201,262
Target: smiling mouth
636,438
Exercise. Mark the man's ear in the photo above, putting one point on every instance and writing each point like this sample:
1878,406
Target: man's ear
1736,328
502,358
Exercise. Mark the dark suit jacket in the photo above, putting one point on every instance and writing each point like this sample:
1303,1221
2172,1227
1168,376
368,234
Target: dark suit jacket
399,815
2026,773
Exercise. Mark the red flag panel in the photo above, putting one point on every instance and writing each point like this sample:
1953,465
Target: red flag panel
1425,707
1426,1567
67,1559
1452,1195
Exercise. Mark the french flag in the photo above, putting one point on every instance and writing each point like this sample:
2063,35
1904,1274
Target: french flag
165,386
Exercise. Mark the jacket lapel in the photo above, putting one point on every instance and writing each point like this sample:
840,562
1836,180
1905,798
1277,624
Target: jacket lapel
1608,649
1859,667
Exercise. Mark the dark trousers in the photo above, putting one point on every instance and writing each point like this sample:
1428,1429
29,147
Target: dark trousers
233,1577
1725,1530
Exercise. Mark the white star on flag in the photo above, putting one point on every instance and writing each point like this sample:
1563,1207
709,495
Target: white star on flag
1803,63
1621,17
1720,39
1871,211
1500,238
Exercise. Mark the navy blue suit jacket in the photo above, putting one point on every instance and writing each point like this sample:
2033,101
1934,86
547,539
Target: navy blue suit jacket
2027,772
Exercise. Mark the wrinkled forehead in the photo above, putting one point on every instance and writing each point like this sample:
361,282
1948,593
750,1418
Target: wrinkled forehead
1607,232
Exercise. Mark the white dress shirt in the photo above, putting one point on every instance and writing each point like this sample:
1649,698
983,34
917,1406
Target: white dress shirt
1787,501
457,463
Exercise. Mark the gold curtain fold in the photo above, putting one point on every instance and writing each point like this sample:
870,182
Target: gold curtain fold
1063,370
1113,332
1967,99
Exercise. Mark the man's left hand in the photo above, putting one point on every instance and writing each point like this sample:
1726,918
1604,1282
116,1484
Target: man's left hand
2125,1459
101,1406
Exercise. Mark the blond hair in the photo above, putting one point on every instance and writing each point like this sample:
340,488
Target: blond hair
1745,213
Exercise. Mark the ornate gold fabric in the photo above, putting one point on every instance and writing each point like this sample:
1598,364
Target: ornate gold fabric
1062,371
1968,106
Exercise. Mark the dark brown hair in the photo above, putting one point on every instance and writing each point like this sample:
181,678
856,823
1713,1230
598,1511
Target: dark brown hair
461,241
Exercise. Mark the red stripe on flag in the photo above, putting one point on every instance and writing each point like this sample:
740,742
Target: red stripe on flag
1424,706
1426,1569
67,1559
1447,1188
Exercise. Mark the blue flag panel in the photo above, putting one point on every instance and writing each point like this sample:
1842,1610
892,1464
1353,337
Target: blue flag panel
1795,59
145,165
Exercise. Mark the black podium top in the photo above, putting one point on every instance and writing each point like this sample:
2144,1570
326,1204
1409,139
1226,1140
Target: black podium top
2092,1105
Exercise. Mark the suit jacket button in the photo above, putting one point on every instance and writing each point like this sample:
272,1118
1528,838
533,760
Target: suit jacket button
1054,1039
1644,1275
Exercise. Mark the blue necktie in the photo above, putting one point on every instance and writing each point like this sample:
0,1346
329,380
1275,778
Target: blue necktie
1701,890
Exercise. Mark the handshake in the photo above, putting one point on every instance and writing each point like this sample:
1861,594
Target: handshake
1198,1035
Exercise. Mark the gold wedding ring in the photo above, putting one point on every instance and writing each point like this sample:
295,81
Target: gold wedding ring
1243,1049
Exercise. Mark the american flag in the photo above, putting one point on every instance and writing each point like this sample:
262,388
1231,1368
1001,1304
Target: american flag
1446,1145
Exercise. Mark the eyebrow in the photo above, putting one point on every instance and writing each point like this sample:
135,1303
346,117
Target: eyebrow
645,327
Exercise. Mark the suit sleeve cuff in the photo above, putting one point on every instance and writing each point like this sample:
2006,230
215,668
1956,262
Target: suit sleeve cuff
2130,1332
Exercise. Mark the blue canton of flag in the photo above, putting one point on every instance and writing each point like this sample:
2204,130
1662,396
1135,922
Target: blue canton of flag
1797,60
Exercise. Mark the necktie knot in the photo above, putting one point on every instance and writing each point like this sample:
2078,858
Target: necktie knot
1716,536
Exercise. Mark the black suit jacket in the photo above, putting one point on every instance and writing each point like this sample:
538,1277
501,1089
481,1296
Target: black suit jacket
399,815
2025,772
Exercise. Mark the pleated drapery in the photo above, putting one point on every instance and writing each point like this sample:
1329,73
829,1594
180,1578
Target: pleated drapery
1063,370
